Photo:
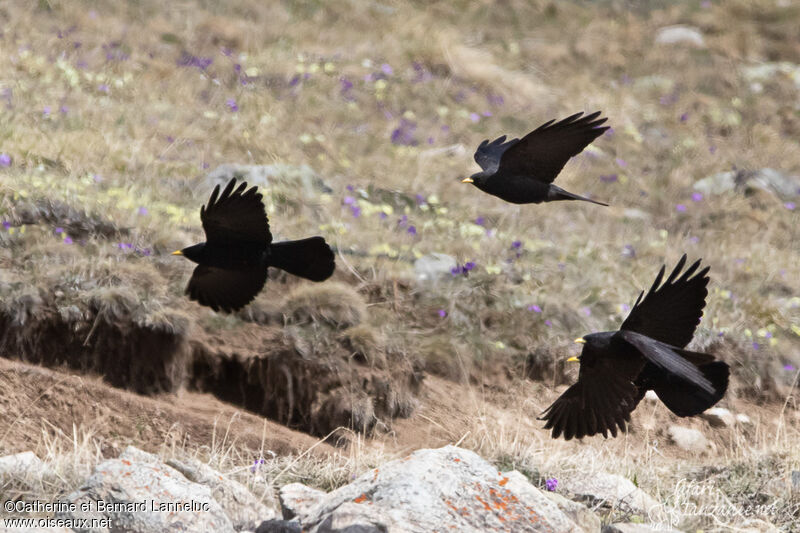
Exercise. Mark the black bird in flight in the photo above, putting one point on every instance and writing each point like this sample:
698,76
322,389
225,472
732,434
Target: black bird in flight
232,263
521,171
648,352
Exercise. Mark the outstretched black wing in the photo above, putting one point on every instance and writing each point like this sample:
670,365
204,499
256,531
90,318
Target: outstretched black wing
236,216
670,313
488,153
225,290
600,401
542,153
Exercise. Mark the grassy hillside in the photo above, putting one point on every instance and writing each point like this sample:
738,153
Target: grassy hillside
113,114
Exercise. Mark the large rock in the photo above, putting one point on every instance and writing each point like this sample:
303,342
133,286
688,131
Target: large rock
610,489
140,494
240,505
688,439
781,184
24,466
434,266
578,513
446,489
679,34
719,417
265,176
631,527
297,500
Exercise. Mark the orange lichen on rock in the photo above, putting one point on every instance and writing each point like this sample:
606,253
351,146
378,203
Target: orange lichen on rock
361,499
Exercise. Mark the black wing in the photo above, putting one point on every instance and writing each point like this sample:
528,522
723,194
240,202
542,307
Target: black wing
225,290
600,401
670,313
668,359
235,216
542,153
488,153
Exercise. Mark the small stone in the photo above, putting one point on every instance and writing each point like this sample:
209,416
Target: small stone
680,34
434,266
743,419
719,417
688,439
651,396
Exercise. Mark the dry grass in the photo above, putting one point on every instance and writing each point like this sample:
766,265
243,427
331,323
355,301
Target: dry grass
113,114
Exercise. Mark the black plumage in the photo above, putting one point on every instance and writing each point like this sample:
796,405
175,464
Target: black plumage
521,171
233,262
646,353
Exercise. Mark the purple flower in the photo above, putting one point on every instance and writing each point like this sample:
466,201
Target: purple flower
103,88
403,135
712,149
6,224
456,270
46,111
420,199
387,69
586,311
610,132
59,231
535,308
788,205
258,462
5,160
694,239
680,207
684,117
480,221
697,197
474,117
548,323
469,265
789,367
494,99
67,240
356,211
442,313
516,245
189,60
231,103
756,346
349,200
142,211
626,307
64,109
609,178
551,484
486,113
621,162
383,216
403,222
412,230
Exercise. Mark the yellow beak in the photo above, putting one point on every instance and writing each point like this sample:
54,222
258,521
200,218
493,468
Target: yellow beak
466,180
177,252
580,341
573,359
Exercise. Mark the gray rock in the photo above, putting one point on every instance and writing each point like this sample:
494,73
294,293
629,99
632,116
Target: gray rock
651,396
680,34
434,266
756,74
141,496
743,419
22,466
611,489
446,489
134,454
265,176
796,480
688,439
631,527
779,183
577,512
241,506
297,499
279,526
719,417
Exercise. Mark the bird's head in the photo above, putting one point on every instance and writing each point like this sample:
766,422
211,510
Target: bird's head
476,179
192,253
594,342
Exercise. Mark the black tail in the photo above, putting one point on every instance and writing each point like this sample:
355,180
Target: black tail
685,399
555,193
310,258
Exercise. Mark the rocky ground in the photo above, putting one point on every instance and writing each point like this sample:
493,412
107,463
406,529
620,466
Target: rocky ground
443,332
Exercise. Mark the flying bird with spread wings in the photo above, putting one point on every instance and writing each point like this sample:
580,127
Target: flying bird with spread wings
522,171
648,352
232,263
